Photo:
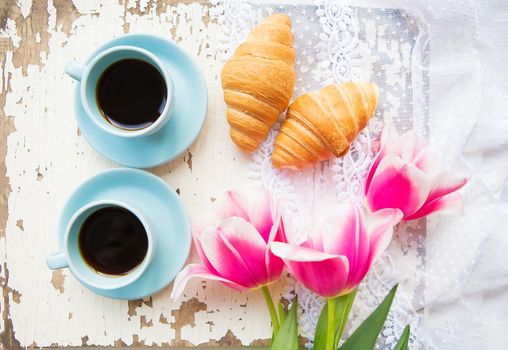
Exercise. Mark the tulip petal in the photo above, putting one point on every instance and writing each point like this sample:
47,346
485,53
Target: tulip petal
417,151
450,204
199,224
274,264
411,145
308,243
322,273
287,251
315,241
197,271
380,226
397,185
428,161
252,204
373,168
390,140
443,184
237,252
344,233
242,237
389,144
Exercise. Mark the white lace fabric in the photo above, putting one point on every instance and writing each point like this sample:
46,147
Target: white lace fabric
391,46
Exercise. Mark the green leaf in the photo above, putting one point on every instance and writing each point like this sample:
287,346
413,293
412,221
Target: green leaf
282,312
320,334
342,307
365,336
404,340
287,337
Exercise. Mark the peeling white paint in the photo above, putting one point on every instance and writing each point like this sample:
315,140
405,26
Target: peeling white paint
25,6
46,139
10,31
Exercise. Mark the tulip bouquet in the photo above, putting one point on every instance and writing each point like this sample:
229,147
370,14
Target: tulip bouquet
243,244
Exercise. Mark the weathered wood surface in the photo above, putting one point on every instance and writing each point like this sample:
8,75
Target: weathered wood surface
44,157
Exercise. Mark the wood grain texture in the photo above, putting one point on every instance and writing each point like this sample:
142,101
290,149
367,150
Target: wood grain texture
44,157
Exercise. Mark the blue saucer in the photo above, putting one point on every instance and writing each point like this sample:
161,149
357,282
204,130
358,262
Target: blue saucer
178,134
165,211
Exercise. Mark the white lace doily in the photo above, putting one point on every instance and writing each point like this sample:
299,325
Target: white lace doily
336,43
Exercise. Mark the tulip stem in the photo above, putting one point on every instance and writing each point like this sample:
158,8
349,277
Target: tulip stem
330,330
271,309
350,298
337,315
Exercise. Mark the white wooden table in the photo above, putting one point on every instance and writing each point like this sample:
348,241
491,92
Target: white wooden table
44,157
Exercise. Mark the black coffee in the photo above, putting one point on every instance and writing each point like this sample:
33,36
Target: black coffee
131,94
113,241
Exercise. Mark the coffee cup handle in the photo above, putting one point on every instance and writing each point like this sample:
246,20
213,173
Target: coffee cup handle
57,260
75,70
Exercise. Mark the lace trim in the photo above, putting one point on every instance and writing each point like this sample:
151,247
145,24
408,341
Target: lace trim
327,39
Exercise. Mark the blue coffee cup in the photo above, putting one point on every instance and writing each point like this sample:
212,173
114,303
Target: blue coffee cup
88,75
70,256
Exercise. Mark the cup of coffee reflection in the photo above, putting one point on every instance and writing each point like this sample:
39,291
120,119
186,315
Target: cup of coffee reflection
107,245
127,91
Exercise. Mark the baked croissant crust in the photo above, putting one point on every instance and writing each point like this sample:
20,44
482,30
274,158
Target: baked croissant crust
322,124
258,81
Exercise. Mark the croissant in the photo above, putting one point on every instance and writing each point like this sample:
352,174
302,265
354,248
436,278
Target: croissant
322,124
258,81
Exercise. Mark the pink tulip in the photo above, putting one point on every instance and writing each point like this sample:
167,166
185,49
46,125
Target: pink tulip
406,174
339,253
234,243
